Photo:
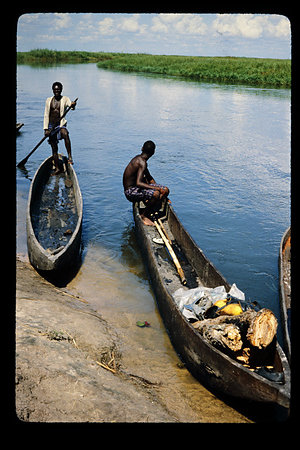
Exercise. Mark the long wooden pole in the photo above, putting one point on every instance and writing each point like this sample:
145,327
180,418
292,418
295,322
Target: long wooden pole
172,253
164,230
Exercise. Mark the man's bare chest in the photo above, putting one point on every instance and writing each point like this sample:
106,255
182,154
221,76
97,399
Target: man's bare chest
55,105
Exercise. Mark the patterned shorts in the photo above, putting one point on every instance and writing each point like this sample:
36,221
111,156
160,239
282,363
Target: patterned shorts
55,135
135,194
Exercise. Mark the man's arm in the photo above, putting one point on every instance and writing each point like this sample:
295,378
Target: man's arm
46,114
69,103
142,174
148,176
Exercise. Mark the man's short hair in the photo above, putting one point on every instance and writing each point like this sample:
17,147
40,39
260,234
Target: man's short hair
149,147
57,83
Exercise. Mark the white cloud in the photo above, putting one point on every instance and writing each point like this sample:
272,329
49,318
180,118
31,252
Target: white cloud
62,20
106,26
130,24
50,37
191,24
188,24
281,29
194,34
250,26
28,18
245,25
169,18
158,26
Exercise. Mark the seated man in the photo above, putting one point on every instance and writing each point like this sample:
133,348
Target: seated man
140,185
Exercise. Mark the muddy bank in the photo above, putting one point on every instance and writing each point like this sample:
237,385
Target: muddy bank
60,341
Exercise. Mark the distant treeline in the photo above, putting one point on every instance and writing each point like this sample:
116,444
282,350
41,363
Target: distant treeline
276,72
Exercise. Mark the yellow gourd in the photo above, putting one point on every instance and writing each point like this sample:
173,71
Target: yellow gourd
233,309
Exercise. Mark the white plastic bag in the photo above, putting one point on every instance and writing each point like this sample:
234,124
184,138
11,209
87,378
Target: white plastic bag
193,303
237,293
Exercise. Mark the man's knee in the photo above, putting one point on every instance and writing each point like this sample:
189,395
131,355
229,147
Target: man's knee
64,133
166,191
156,194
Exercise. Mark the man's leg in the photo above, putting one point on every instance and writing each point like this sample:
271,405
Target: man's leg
55,157
150,203
151,197
157,197
65,135
164,191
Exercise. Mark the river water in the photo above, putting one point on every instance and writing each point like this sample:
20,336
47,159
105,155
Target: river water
223,151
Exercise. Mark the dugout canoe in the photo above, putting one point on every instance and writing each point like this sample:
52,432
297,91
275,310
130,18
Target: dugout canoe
54,218
210,366
284,265
19,126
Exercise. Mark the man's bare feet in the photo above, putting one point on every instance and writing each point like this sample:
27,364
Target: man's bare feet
70,161
147,221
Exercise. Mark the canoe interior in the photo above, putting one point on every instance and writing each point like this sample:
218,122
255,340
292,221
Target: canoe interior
54,218
54,212
205,362
198,270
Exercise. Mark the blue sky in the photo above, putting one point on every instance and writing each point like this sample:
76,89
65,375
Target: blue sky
250,35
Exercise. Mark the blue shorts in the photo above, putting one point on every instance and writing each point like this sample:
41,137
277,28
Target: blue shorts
135,194
55,135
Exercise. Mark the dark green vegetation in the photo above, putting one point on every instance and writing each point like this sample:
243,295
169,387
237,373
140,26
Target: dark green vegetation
45,55
276,72
247,70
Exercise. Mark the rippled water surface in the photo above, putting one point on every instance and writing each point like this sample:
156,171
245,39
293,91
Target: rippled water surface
224,152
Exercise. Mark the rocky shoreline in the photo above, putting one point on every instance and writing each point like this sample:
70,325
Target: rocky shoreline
68,362
72,365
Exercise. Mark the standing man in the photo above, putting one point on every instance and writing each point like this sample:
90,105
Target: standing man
140,185
54,109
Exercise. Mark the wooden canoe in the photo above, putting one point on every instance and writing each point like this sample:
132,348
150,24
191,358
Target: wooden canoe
284,264
54,219
210,366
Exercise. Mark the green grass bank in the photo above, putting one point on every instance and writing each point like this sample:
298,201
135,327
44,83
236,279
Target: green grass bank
55,56
275,72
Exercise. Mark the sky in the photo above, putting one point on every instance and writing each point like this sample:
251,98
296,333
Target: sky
248,35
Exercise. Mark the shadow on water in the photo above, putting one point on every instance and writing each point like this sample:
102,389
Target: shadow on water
63,278
256,411
24,172
131,255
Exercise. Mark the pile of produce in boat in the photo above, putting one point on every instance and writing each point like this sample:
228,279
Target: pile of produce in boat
234,326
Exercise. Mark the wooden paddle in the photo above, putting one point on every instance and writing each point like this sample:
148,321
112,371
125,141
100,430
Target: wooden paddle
24,161
171,251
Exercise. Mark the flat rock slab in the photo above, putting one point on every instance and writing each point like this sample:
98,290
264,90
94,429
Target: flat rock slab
59,338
